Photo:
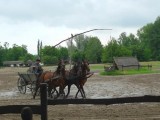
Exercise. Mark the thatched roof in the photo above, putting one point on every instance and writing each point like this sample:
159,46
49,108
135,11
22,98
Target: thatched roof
126,62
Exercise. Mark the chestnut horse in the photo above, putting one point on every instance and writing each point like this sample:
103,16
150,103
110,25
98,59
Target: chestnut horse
53,79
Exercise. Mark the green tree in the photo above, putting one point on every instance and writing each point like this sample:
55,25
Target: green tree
144,35
77,55
50,55
39,49
81,42
13,53
78,50
124,40
16,52
105,55
155,39
2,55
93,50
63,53
50,51
129,42
71,49
50,60
149,35
27,57
114,49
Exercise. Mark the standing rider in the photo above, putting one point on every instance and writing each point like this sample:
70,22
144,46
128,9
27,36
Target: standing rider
38,68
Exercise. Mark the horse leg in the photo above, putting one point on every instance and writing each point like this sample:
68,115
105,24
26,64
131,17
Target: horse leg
69,87
63,94
61,90
79,90
81,87
55,90
58,93
50,91
34,95
84,94
77,93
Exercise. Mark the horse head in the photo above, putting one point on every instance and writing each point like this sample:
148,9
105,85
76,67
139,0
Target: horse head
85,67
61,68
79,68
76,69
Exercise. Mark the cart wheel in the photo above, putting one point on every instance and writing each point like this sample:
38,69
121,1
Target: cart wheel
21,85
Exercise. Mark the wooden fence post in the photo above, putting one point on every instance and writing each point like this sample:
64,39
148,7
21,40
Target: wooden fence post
138,67
43,97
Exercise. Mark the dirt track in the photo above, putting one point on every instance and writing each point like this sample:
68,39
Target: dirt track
96,87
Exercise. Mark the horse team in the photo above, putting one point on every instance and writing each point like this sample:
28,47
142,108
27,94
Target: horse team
61,78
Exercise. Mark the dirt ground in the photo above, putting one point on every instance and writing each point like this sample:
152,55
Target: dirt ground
96,87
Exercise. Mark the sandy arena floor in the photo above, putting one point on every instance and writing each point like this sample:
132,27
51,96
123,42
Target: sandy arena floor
96,87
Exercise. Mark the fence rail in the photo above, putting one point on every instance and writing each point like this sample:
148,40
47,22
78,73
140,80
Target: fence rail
107,101
137,66
17,109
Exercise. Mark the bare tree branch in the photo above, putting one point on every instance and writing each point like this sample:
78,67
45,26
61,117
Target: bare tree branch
77,35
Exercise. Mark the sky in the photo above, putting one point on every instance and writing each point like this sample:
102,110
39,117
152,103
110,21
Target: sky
24,22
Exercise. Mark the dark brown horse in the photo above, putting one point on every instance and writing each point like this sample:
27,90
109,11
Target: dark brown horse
73,76
85,74
53,79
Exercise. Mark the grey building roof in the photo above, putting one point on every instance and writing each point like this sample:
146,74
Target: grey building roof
12,62
130,62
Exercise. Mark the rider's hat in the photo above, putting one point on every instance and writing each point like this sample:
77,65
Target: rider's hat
38,60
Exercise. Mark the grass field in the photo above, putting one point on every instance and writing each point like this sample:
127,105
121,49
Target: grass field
144,70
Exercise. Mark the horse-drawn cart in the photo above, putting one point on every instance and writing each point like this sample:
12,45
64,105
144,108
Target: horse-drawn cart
26,80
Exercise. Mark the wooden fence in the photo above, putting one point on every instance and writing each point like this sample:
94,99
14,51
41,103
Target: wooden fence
137,66
42,108
111,68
